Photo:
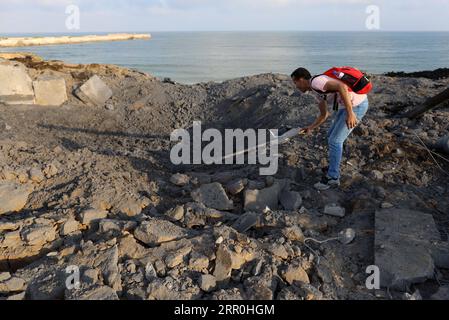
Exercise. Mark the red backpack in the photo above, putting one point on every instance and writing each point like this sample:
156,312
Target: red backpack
355,79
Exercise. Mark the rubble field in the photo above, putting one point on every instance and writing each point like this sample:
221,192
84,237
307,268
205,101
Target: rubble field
87,190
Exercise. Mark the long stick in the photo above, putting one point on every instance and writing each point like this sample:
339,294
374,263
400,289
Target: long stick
429,104
277,141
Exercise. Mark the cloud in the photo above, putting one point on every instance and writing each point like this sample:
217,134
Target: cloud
129,15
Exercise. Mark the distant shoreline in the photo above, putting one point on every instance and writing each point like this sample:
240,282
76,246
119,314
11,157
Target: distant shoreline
7,42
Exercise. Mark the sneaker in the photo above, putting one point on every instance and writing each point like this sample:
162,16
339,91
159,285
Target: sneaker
326,183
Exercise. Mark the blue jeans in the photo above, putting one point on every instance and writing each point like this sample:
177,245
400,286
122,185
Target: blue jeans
338,134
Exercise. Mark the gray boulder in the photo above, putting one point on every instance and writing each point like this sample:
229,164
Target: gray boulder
213,196
94,91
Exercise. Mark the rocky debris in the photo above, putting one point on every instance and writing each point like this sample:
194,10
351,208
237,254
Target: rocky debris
246,222
233,294
90,216
38,235
176,258
69,227
15,84
147,239
8,226
51,170
207,282
295,273
13,197
155,232
236,186
198,262
335,210
172,289
50,91
36,175
259,200
213,196
176,214
12,285
130,207
47,285
180,180
223,264
294,233
95,293
406,250
94,91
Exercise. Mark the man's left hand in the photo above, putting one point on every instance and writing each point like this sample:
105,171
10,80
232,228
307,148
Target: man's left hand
351,121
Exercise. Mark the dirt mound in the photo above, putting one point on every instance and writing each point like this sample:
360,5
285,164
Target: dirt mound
101,188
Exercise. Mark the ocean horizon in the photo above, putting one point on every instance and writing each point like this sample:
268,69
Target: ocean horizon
202,56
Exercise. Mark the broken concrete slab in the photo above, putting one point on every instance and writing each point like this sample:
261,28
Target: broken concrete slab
154,232
50,91
404,242
236,186
213,196
246,222
223,264
335,211
15,84
94,91
13,197
89,216
179,179
259,200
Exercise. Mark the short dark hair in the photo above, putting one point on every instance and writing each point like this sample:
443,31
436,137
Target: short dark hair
301,73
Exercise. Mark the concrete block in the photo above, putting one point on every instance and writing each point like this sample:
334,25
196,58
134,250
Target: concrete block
94,91
15,84
50,91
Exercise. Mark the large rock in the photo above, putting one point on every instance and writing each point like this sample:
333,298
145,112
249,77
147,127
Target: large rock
335,210
154,232
50,285
295,272
259,200
213,196
15,84
90,216
39,235
13,197
50,91
223,264
291,200
405,248
94,91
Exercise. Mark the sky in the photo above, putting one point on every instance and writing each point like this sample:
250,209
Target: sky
44,16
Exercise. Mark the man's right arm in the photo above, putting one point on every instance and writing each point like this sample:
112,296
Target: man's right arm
324,115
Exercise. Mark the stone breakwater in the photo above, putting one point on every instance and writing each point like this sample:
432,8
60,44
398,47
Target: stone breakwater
43,41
